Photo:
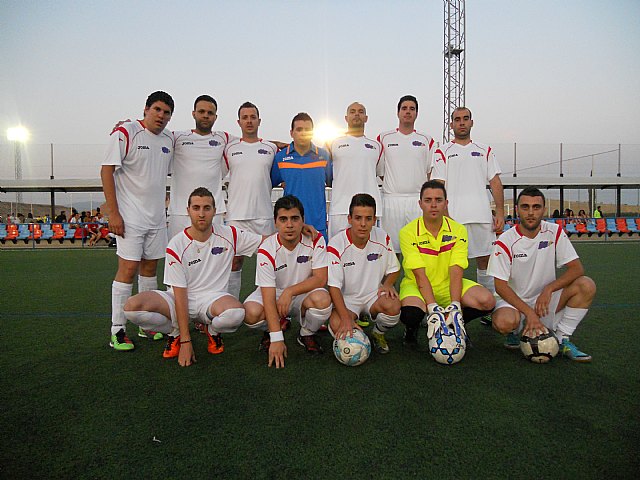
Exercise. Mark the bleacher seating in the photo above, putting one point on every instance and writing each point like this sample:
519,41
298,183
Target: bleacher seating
601,225
612,227
621,225
632,226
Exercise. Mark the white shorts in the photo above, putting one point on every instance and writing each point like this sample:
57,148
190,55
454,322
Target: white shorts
139,243
261,226
295,310
397,211
481,239
197,310
177,223
360,305
550,321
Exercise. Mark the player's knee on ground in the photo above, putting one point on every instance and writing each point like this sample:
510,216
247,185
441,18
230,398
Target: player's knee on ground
505,320
411,316
228,321
254,314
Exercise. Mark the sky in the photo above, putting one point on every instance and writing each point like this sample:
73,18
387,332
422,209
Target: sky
539,72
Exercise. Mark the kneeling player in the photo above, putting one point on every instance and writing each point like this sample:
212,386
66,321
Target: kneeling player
197,268
524,264
434,250
291,271
363,268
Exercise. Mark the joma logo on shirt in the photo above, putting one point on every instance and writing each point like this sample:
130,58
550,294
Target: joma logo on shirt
186,143
143,147
284,265
236,153
193,262
349,264
520,255
343,145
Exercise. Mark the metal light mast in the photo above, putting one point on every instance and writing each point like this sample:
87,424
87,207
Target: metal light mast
454,61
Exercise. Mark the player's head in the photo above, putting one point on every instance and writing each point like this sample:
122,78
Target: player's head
157,111
356,116
362,216
531,204
302,129
205,113
433,200
461,123
201,208
408,110
288,214
248,119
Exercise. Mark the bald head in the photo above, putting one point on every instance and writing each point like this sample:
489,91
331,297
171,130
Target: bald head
356,117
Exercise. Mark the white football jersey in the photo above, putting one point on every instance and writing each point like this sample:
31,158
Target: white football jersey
204,267
358,272
142,160
355,160
197,163
405,161
249,166
529,264
279,267
466,171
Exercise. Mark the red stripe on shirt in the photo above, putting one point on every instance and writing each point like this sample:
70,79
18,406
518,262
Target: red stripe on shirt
558,234
126,135
427,251
268,255
331,249
447,247
235,238
504,247
173,254
318,237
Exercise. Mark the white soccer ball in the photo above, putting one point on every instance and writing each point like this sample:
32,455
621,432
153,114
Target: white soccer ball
352,351
540,349
446,347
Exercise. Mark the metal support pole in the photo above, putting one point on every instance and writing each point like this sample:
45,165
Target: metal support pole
53,195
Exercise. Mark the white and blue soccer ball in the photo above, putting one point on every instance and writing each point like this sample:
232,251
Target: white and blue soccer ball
540,349
448,343
352,350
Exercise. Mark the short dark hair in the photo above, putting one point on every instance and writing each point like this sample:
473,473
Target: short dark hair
458,109
362,200
202,192
160,96
433,184
248,105
288,202
530,192
302,116
205,98
407,98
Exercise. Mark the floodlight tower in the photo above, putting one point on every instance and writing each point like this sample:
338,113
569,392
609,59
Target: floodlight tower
454,61
18,136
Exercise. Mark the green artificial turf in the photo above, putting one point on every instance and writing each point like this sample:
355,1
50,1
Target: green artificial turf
71,407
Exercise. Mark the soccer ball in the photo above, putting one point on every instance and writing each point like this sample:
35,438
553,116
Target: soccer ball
540,349
352,351
446,347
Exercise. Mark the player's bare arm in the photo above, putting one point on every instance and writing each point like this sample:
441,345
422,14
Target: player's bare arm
277,349
455,283
116,223
346,318
387,287
532,324
424,285
318,279
574,270
187,355
497,190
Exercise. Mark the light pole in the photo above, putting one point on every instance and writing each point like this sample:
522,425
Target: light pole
18,136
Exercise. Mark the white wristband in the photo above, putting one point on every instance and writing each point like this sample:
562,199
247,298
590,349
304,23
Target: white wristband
276,336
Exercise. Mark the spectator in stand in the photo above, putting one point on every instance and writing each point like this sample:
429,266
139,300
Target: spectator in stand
582,217
74,220
20,218
568,214
597,213
62,218
556,213
92,231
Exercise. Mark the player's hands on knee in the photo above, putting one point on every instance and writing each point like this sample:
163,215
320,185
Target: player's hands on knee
543,301
533,326
277,354
186,356
388,291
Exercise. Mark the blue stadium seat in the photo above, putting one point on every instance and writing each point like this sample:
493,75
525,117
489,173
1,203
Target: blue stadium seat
612,227
631,225
69,233
591,228
570,228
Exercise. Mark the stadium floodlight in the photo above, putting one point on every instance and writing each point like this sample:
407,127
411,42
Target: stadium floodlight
17,134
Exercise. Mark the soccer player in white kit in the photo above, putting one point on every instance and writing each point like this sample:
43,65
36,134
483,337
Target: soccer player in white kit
291,271
534,301
362,270
248,160
404,165
134,178
466,167
197,161
355,158
197,266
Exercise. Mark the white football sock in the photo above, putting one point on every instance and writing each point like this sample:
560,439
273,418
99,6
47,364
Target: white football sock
120,292
227,322
150,321
385,322
261,325
146,284
313,320
235,280
569,321
486,280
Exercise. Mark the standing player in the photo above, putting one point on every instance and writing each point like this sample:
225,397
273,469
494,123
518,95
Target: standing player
405,162
524,265
434,250
134,179
291,271
248,160
363,268
197,266
466,167
354,158
305,170
197,161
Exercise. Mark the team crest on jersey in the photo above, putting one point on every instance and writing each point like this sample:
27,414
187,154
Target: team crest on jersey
165,150
545,244
217,250
417,143
368,145
477,154
262,151
448,238
214,143
372,257
302,258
